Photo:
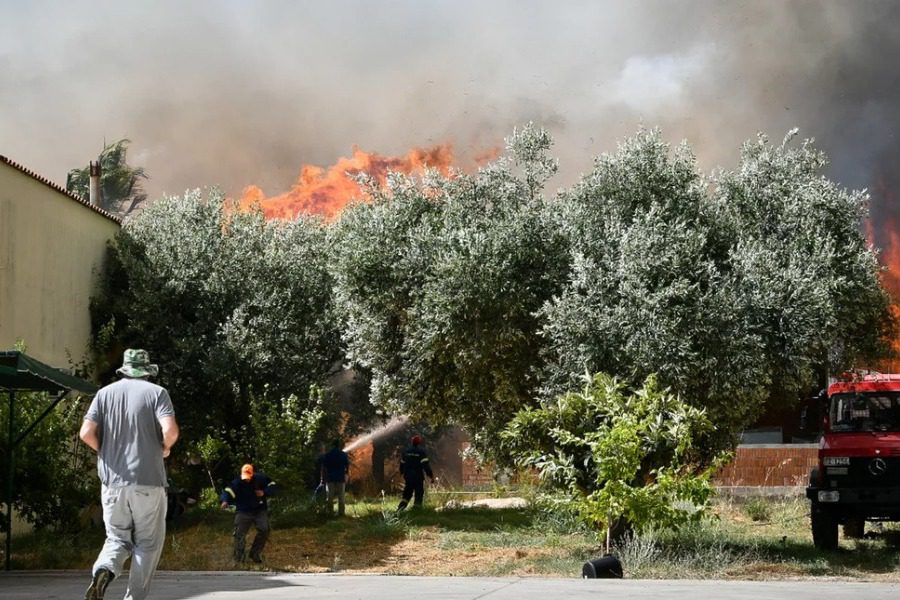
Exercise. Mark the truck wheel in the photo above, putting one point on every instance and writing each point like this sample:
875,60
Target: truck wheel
855,528
824,529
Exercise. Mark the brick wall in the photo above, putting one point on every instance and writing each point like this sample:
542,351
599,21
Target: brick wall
754,465
475,476
769,465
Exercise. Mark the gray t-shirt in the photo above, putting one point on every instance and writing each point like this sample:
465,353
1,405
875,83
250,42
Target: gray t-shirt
127,413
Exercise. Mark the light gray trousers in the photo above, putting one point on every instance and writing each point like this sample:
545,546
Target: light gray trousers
135,518
335,492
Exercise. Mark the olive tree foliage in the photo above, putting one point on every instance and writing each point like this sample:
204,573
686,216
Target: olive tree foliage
229,305
440,281
621,455
732,290
804,273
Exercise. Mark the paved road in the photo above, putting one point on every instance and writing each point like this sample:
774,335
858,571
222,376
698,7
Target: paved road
180,585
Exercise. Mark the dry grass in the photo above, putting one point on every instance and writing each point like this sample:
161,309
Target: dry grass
507,542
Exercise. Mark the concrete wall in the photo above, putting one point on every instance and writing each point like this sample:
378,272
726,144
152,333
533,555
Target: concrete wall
51,250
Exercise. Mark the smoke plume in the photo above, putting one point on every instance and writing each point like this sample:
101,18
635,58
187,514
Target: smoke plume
233,93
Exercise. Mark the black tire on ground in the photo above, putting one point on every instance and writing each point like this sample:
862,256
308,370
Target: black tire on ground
854,528
824,528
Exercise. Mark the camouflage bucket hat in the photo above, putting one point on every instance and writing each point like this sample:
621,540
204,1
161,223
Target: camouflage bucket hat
136,363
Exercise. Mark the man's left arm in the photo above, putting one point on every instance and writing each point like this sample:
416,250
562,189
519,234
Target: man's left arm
271,488
170,432
426,465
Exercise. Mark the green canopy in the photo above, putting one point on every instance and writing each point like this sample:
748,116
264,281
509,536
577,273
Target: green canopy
20,372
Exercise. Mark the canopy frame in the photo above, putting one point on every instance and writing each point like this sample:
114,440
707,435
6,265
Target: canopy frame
22,373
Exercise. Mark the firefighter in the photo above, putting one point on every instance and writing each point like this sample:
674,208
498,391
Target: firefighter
414,466
248,494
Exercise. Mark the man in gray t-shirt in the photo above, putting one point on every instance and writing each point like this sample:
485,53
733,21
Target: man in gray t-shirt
131,425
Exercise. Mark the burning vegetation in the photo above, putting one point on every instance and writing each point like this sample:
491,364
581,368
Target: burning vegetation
325,192
883,232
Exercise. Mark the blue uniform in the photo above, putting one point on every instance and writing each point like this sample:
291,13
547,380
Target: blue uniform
252,509
414,465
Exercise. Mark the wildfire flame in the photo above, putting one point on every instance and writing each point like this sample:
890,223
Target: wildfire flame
326,192
887,236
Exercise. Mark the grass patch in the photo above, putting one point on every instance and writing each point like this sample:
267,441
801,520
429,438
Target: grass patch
734,542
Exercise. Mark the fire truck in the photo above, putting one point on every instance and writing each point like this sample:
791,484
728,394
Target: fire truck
858,476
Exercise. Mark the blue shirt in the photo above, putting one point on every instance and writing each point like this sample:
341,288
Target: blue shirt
335,463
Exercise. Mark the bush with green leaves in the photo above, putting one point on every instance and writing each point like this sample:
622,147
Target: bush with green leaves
53,475
619,455
283,437
758,509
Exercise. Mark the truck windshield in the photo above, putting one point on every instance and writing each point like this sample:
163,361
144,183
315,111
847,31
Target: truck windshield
870,411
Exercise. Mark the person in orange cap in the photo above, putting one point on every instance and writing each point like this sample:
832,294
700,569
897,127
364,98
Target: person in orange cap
248,494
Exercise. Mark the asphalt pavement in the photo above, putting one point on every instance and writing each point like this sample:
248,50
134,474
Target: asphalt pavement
182,585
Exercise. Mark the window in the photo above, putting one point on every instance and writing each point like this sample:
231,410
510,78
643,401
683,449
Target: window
875,411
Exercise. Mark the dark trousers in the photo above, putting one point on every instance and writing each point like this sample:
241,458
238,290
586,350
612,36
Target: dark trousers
242,523
413,485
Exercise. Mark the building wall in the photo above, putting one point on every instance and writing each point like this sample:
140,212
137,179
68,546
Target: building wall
762,466
51,250
769,465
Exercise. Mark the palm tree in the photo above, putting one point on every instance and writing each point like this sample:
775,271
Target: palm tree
120,184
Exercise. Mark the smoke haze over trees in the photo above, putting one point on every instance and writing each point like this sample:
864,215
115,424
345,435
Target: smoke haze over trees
234,93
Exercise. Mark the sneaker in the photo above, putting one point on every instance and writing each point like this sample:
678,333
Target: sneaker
255,557
98,584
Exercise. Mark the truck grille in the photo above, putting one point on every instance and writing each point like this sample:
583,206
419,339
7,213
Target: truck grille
871,472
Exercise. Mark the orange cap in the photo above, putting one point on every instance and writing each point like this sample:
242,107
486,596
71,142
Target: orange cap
247,472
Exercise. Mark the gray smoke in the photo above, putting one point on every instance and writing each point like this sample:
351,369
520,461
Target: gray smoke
232,93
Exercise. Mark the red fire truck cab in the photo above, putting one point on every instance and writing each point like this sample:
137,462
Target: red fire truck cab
858,476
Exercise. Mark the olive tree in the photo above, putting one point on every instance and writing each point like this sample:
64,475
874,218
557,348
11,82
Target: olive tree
230,306
441,280
731,289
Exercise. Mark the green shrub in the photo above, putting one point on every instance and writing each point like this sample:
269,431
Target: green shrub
633,457
758,509
209,498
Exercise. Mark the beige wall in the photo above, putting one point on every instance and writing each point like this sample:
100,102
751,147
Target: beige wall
51,250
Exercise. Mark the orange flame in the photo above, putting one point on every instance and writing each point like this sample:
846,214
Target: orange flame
327,191
887,234
361,463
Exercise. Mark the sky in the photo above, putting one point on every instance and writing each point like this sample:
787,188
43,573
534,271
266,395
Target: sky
233,93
